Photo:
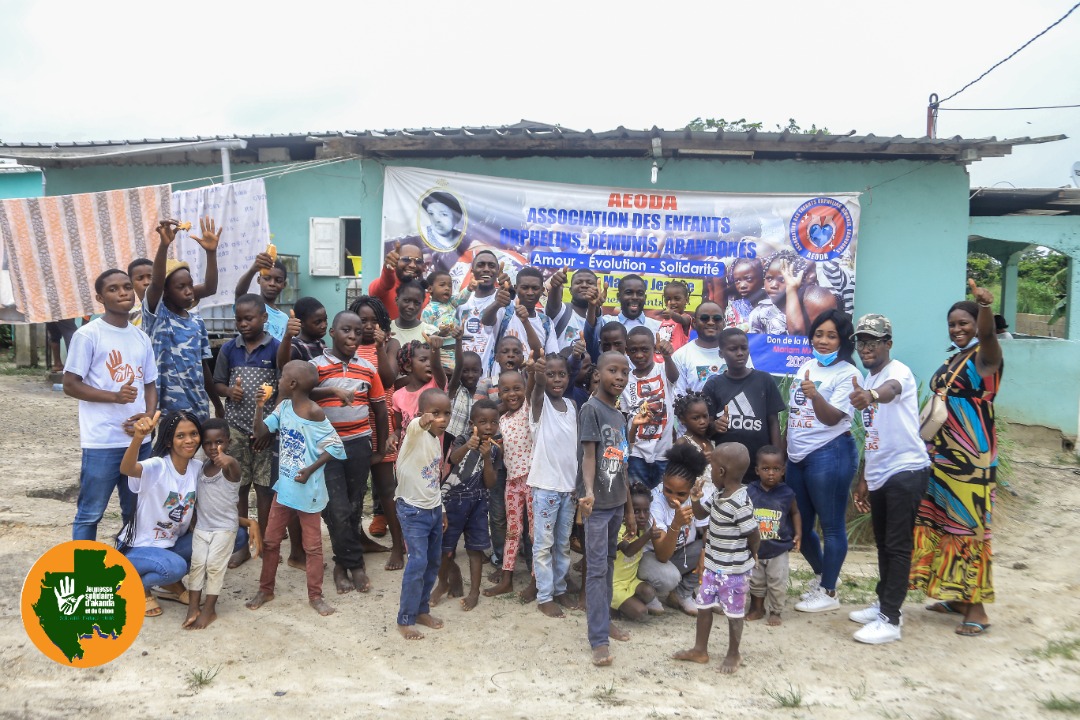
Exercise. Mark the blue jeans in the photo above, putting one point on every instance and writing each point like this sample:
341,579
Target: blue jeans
159,566
601,541
822,485
99,475
648,474
422,532
553,517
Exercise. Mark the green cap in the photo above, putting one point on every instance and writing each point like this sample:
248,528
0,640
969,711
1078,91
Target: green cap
874,325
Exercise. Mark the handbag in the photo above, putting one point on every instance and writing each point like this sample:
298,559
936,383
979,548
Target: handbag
936,411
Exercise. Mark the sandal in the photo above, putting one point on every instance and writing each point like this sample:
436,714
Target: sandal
944,608
183,598
980,628
152,607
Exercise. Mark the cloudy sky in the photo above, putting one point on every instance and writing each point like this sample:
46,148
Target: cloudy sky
125,69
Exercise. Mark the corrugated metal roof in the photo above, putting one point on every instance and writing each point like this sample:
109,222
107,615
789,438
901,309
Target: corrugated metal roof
528,138
1025,201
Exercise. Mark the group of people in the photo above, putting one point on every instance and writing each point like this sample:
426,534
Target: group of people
686,490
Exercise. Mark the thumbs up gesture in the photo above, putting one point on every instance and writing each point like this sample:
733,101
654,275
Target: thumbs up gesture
809,389
722,422
236,392
504,279
557,280
982,295
145,425
474,441
127,392
292,328
393,256
579,345
860,399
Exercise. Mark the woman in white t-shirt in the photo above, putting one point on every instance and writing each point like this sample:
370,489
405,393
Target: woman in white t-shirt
165,488
821,453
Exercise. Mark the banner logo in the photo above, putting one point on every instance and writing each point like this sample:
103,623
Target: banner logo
82,604
821,229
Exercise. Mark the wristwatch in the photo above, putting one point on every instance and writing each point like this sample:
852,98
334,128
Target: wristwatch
875,396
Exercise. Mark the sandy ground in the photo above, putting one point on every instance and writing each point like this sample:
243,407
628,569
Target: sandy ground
506,660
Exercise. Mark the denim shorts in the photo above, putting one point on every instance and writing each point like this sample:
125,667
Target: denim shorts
468,514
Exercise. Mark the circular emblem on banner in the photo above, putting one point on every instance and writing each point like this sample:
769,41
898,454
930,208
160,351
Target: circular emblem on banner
441,219
82,604
473,326
821,229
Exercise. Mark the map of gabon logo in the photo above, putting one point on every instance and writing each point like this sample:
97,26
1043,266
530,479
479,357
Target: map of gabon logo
82,604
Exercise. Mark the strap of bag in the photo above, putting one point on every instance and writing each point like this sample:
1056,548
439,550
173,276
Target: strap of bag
959,366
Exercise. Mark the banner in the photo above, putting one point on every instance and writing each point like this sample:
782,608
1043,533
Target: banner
772,262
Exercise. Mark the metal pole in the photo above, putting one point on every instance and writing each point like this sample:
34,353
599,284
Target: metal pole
226,167
931,116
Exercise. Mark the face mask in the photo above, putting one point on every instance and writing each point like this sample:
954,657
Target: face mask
826,359
953,347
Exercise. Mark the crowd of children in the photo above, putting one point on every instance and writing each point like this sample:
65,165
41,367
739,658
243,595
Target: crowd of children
482,419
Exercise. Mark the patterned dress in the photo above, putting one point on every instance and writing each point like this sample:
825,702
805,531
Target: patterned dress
952,557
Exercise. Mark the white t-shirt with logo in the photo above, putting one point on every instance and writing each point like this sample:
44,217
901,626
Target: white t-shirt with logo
696,365
806,433
549,341
893,444
477,336
166,500
653,439
664,515
106,357
575,325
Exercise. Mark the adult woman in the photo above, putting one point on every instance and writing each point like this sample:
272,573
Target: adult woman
952,558
821,453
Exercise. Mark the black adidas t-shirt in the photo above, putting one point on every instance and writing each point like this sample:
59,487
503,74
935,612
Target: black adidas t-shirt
750,401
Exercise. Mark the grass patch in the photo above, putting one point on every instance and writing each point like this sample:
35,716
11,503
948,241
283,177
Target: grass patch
858,693
23,371
198,678
1065,704
790,698
607,695
1065,649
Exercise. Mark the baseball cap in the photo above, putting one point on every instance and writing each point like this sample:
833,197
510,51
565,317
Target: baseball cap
873,325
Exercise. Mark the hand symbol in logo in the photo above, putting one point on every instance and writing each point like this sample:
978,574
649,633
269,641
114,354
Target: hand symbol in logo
64,596
118,370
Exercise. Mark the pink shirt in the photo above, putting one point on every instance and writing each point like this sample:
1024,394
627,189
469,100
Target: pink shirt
407,402
517,442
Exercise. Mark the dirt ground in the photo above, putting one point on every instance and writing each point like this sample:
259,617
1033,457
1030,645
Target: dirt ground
506,660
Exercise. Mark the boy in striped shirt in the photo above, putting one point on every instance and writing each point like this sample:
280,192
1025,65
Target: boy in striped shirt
730,553
349,392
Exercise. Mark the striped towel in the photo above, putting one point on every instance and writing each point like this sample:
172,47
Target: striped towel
56,247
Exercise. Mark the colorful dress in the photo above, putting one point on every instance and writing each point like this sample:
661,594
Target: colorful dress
952,557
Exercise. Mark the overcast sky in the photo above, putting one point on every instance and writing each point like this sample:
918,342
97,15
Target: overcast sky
125,69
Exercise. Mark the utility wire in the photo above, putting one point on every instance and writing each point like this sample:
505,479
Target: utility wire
1004,109
1013,54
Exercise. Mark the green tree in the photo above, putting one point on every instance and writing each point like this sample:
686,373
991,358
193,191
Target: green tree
744,125
984,270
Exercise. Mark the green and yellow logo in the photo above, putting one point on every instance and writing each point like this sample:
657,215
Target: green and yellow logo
82,604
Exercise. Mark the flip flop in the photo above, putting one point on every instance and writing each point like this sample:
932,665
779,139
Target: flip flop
152,607
182,598
944,608
981,629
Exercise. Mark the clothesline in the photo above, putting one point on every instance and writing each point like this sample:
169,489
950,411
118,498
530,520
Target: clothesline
270,172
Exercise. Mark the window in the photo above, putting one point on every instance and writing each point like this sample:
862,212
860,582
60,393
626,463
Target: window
335,246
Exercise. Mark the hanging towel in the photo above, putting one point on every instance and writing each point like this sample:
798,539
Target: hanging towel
239,209
56,247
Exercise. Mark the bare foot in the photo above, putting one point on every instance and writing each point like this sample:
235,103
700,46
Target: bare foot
409,632
370,546
469,601
342,581
299,562
529,594
203,620
616,633
360,580
730,664
396,561
437,594
755,614
580,605
692,655
239,557
571,585
259,600
193,612
601,657
495,575
550,609
774,620
428,620
321,607
504,586
457,585
566,601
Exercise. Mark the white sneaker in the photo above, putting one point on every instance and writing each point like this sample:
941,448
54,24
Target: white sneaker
820,601
811,588
878,632
869,615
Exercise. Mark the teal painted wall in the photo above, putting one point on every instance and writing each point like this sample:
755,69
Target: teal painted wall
20,185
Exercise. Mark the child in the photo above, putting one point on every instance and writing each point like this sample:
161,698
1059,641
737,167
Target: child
408,326
768,315
419,509
307,442
745,280
649,392
111,371
474,460
441,311
552,477
140,270
730,551
271,280
631,596
780,524
603,447
180,342
523,320
675,327
509,355
462,392
571,320
746,402
244,364
516,429
695,415
422,370
304,332
350,392
215,524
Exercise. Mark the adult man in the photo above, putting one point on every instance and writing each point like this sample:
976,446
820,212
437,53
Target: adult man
403,263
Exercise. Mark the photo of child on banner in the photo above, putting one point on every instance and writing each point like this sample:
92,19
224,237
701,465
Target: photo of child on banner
772,262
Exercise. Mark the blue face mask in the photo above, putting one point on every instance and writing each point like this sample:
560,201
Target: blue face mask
826,360
953,347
